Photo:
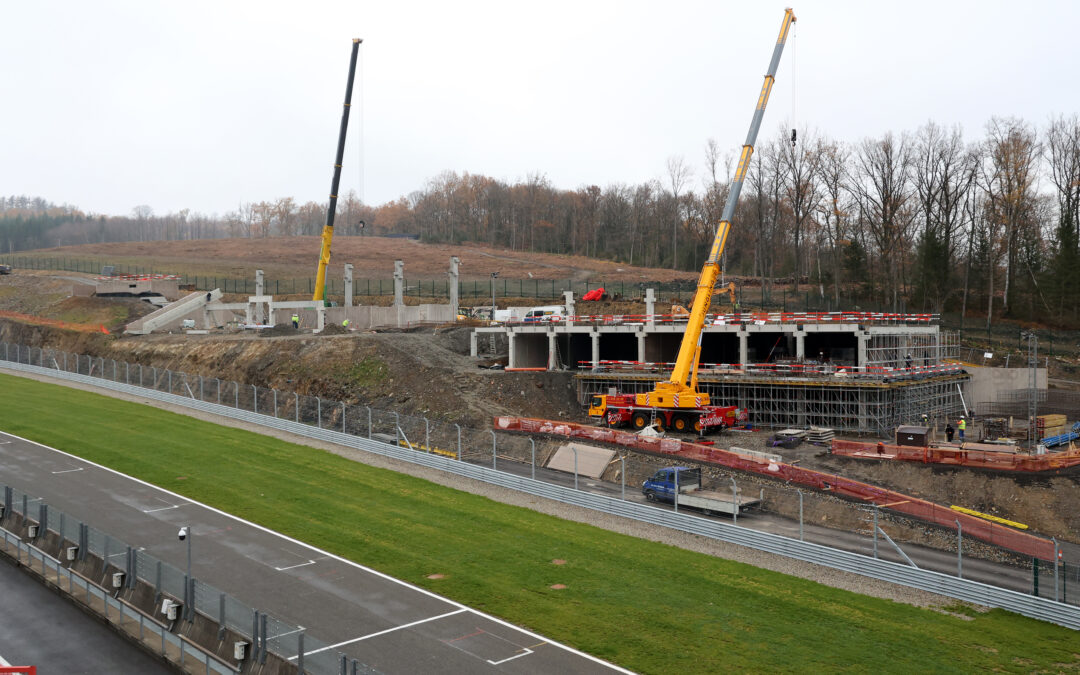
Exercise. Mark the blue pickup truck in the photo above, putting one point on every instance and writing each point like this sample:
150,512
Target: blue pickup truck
661,488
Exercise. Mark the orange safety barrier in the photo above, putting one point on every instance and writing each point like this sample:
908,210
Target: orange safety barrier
992,533
55,323
958,456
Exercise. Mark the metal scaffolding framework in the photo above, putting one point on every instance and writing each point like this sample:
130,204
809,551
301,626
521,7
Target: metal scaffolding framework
855,407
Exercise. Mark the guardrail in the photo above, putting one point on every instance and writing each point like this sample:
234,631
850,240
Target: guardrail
935,582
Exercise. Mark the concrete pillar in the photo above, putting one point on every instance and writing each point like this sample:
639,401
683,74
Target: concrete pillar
568,300
320,312
511,362
800,345
744,347
641,346
399,283
454,275
348,284
552,363
260,282
594,337
650,306
474,350
248,313
862,340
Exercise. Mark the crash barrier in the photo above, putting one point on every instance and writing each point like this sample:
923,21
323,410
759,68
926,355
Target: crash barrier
783,370
1007,538
958,456
315,426
88,554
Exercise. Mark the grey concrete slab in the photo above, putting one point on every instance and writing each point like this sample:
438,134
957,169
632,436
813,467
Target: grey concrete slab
41,628
369,616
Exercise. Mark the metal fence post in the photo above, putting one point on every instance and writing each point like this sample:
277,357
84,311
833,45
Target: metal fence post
735,505
296,405
397,429
622,460
300,652
236,394
532,463
1057,564
800,515
575,467
221,617
254,399
458,439
201,395
959,549
427,435
674,497
318,411
492,448
169,371
275,403
262,635
875,530
369,422
217,380
343,417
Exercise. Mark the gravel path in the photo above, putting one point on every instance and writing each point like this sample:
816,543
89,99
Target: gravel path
837,579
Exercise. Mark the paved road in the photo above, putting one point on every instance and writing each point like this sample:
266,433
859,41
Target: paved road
385,623
41,628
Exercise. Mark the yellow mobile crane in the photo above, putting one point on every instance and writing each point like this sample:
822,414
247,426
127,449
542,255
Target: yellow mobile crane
328,229
677,403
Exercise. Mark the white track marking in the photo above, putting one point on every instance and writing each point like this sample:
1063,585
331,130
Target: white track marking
292,567
384,632
68,470
515,656
327,554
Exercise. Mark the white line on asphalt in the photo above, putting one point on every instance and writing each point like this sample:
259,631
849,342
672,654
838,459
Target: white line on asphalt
68,470
384,632
291,567
327,554
163,508
299,629
515,656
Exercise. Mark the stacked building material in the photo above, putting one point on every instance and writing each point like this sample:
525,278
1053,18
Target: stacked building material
820,436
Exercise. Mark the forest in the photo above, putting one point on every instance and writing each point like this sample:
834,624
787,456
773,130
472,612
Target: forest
922,220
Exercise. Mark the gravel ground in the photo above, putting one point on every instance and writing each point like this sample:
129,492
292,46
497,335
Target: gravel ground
837,579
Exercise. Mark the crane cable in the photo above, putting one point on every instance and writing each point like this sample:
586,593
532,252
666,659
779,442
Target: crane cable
794,52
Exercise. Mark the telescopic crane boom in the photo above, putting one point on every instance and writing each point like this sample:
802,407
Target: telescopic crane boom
680,390
676,403
328,229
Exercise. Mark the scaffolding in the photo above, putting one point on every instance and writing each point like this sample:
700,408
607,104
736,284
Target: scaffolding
851,406
893,348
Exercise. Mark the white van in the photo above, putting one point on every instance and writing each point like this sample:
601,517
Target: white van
545,314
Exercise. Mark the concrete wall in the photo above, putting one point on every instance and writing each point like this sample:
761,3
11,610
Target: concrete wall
986,381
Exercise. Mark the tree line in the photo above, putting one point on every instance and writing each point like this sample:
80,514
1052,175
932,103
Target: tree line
920,220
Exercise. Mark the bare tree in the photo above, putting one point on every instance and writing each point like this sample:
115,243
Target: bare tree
832,170
1008,175
801,165
882,187
679,175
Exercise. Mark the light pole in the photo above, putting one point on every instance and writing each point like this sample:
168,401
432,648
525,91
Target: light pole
185,534
494,276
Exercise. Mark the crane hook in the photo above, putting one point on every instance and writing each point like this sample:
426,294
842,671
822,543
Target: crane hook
792,138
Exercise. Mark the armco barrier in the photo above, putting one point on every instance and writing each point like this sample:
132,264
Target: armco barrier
1004,461
927,580
1005,537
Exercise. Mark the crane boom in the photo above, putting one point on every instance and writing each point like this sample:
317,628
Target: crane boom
680,390
328,229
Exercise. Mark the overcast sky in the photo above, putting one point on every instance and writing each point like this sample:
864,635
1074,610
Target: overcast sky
205,105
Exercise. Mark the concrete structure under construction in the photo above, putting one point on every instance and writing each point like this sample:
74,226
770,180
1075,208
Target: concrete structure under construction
852,371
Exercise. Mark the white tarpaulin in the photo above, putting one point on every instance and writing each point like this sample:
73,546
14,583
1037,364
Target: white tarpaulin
591,461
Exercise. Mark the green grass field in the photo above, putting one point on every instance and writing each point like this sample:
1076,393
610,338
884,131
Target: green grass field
645,606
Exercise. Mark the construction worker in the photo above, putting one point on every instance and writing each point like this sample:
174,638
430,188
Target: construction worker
961,426
345,324
907,361
949,431
296,321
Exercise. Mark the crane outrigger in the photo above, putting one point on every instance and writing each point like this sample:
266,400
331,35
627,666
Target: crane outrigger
677,403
